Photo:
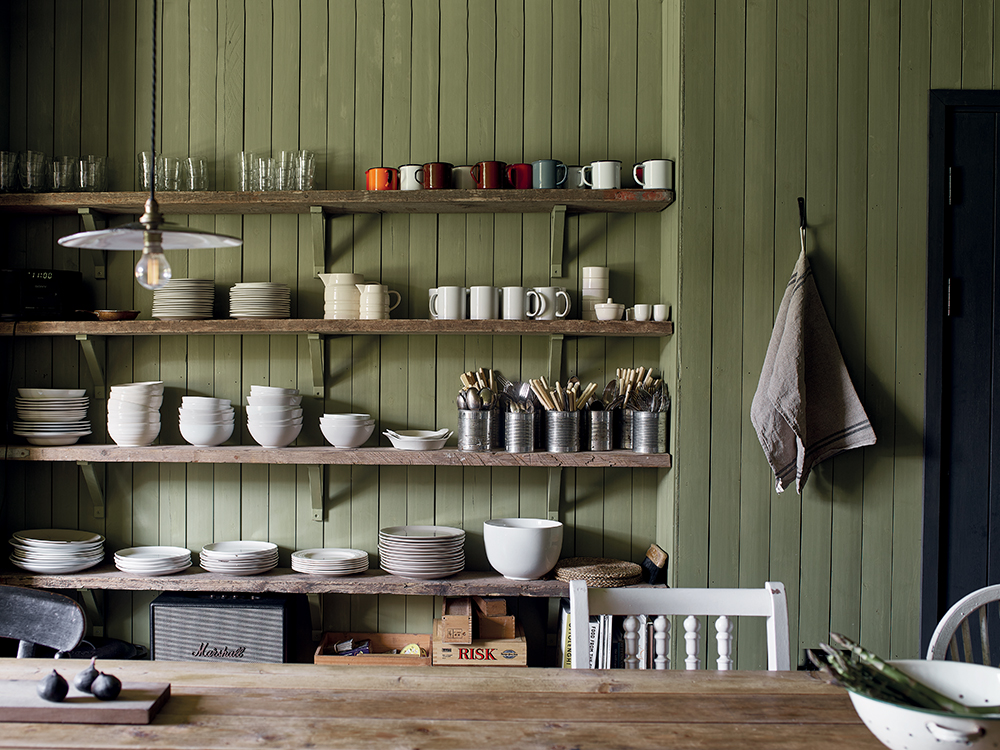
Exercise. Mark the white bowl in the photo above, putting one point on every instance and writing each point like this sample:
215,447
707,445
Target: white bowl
149,386
51,392
898,727
607,311
205,403
346,418
206,435
274,436
256,400
346,435
272,390
133,438
522,549
153,402
134,420
289,410
206,418
273,421
411,443
117,405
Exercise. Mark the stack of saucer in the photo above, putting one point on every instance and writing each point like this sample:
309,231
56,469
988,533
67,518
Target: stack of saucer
595,290
184,299
239,558
260,299
153,561
330,561
56,550
274,415
51,416
204,421
422,551
134,412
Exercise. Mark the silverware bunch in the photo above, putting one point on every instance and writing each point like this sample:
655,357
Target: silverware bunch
479,390
558,398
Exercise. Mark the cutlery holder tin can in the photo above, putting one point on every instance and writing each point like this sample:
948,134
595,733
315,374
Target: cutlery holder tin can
477,430
649,432
598,430
562,431
519,431
624,422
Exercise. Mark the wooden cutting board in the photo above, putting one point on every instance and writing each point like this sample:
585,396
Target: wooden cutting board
137,703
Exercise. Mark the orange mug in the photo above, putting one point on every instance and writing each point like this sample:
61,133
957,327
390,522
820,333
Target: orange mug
382,178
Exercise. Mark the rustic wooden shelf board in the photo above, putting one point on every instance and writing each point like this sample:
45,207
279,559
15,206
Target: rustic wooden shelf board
386,456
347,202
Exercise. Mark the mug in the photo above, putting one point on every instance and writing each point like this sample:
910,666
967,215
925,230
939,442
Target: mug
654,174
382,178
574,179
519,176
660,313
603,175
430,295
489,174
642,312
549,302
484,302
448,303
461,178
411,177
548,173
437,175
517,303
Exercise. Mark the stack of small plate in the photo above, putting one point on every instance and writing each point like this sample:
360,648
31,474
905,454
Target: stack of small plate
239,558
51,416
329,561
184,299
56,550
153,561
422,551
260,299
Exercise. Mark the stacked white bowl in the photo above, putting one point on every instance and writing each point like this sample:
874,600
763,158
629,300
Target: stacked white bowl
595,290
274,415
205,421
346,430
134,412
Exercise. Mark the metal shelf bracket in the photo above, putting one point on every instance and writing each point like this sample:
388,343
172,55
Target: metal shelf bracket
316,489
557,230
318,221
92,221
555,357
96,373
95,620
316,357
96,493
555,483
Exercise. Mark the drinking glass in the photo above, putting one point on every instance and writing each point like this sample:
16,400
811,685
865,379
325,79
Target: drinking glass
8,171
34,171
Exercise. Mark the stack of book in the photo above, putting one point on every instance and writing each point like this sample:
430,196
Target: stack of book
607,640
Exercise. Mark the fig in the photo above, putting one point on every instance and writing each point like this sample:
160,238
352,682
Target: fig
53,687
105,686
85,679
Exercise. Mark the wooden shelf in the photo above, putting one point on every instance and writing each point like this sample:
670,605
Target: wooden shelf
347,202
328,455
287,581
227,326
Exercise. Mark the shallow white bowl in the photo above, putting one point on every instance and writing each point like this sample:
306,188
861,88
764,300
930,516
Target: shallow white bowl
274,436
346,435
205,435
522,549
411,443
51,392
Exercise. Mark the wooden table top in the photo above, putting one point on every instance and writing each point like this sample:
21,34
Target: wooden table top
300,705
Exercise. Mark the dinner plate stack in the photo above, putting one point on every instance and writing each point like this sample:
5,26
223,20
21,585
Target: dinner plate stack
260,299
185,299
330,561
134,412
153,561
422,551
56,550
239,558
51,416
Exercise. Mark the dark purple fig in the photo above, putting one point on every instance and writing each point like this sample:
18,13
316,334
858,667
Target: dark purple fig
85,679
106,686
53,687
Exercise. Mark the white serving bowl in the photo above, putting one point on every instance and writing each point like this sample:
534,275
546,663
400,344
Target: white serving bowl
274,436
206,435
898,727
133,438
427,442
51,392
346,435
608,311
273,400
522,549
272,390
203,403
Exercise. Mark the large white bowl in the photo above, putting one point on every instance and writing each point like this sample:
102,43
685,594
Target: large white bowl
274,436
256,400
522,549
418,442
205,435
204,403
291,411
139,399
130,438
346,435
272,390
206,418
347,417
265,422
903,727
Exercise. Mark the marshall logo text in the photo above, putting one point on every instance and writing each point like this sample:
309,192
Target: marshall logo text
208,652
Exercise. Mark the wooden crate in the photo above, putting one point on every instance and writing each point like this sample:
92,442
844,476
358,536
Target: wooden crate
380,643
500,652
456,619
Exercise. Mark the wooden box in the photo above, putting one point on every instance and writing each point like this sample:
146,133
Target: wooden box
491,605
456,619
380,644
499,652
491,627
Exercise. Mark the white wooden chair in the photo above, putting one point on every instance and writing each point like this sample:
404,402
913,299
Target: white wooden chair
955,637
768,602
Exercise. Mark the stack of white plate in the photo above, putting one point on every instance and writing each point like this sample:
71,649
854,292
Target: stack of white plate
56,550
274,415
239,558
205,421
51,416
153,561
134,412
422,551
329,561
260,299
184,299
595,290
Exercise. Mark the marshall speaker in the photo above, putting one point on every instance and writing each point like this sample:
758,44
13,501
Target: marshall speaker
227,627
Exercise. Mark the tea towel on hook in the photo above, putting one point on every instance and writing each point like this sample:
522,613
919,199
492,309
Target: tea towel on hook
805,409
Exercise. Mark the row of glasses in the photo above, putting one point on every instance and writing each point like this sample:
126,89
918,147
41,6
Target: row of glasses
174,173
35,172
289,170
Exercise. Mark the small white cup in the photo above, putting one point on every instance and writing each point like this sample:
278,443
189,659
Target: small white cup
660,313
657,174
603,175
549,297
411,177
642,312
517,303
484,303
449,303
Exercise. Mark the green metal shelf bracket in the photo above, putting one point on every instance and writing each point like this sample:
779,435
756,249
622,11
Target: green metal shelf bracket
318,221
96,373
555,357
92,221
316,357
95,620
96,493
555,483
316,490
557,230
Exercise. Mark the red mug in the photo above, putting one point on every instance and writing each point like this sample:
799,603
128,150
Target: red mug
489,174
519,176
382,178
437,175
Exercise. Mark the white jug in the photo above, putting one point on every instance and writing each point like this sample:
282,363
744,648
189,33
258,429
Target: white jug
374,296
341,297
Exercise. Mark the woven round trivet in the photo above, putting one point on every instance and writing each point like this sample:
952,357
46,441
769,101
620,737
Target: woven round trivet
600,572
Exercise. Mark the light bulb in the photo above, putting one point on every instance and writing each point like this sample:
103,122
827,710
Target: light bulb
152,271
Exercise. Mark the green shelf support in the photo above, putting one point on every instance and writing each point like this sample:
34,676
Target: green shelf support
555,357
316,615
318,221
554,492
96,493
92,221
95,620
557,230
316,357
96,373
316,490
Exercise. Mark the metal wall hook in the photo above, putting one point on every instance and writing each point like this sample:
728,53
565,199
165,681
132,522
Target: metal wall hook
802,213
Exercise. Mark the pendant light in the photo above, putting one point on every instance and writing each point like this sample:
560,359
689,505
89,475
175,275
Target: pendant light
151,234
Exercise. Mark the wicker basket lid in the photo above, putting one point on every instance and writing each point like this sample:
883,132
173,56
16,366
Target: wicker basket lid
599,572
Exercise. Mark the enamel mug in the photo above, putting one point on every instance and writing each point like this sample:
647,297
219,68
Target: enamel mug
382,178
547,174
574,178
411,177
603,175
549,297
654,174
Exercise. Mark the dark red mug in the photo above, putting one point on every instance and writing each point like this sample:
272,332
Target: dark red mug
519,176
489,174
437,175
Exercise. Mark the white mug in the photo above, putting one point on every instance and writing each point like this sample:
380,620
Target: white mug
449,303
411,177
660,313
603,175
517,303
574,179
657,174
549,302
642,312
484,302
430,295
